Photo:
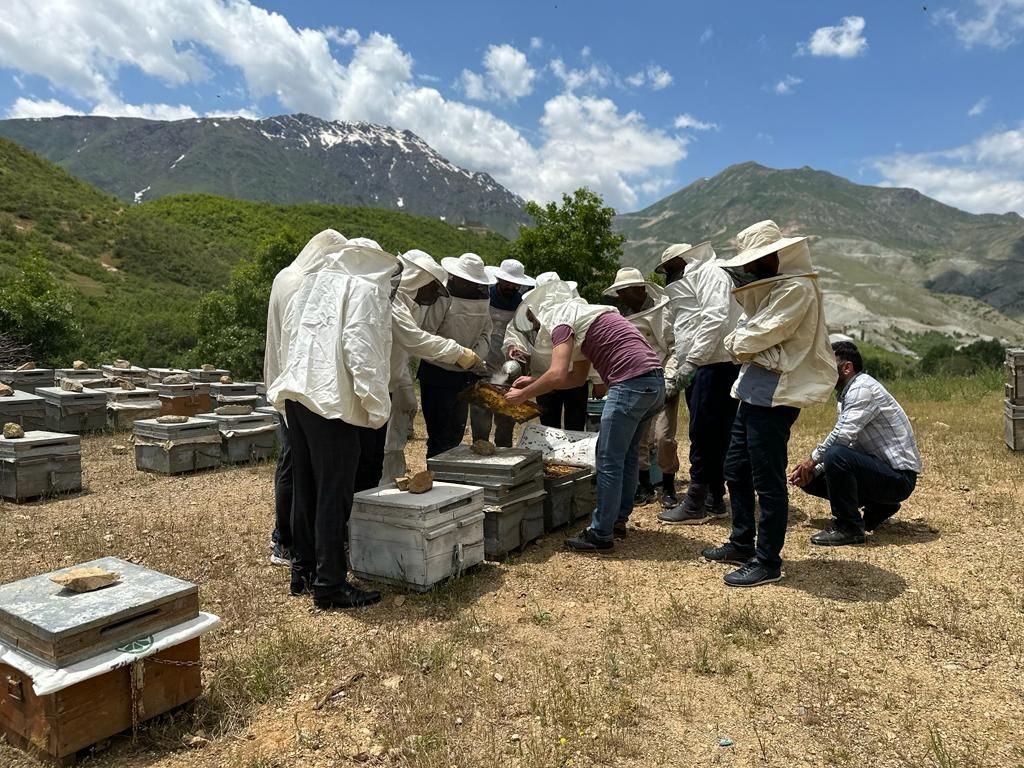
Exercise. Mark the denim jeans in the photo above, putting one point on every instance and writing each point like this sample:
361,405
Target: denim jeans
853,479
756,463
629,408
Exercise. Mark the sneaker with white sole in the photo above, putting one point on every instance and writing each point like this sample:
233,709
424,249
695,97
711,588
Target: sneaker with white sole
280,555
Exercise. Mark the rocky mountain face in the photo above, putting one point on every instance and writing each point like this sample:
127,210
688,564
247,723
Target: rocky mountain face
891,260
286,159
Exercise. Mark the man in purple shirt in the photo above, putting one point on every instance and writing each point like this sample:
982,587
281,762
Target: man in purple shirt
582,335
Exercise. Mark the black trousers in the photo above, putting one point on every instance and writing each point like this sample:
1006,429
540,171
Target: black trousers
756,464
570,402
853,479
325,457
283,491
712,410
443,412
371,457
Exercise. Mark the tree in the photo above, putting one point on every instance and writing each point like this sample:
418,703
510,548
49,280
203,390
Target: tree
574,239
37,311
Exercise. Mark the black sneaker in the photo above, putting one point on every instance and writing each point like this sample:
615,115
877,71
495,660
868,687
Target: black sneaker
644,495
346,596
280,555
716,509
728,553
620,531
669,499
683,515
752,574
836,537
586,541
300,585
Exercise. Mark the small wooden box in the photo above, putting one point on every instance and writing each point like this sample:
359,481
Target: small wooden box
1013,426
58,725
25,409
59,627
28,381
76,412
157,375
1015,376
135,374
184,399
173,449
245,437
40,464
198,374
512,526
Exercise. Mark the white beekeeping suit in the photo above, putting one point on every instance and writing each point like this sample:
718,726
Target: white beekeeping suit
337,338
707,311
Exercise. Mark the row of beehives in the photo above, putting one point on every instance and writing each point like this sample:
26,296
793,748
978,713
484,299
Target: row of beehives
1013,406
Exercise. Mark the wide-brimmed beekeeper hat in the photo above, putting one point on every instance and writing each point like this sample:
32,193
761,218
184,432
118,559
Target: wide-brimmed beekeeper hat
627,277
425,262
674,251
469,267
757,241
511,271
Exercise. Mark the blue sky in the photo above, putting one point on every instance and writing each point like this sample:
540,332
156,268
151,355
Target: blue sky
635,100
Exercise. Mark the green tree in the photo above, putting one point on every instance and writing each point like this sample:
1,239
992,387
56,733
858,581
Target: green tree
38,311
574,239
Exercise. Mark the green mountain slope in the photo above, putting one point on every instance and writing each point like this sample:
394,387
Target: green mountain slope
139,270
888,257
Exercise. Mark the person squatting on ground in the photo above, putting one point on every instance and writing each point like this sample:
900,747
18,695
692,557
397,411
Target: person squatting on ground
645,304
787,364
286,283
333,388
506,297
705,371
560,408
869,460
582,335
423,284
465,318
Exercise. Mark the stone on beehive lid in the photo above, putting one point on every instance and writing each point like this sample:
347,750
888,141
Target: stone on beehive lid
6,391
226,380
70,385
26,367
125,384
79,365
483,448
233,410
122,364
86,579
208,367
13,431
177,378
172,419
421,482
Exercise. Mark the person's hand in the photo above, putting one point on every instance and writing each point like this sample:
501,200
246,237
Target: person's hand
684,376
600,391
522,382
515,395
803,473
521,356
470,361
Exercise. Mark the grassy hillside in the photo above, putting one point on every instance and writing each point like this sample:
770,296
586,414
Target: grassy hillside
139,271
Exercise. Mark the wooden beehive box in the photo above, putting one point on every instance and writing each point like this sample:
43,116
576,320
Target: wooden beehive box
126,406
134,374
1015,376
25,409
77,412
40,464
59,627
184,399
509,475
89,377
1013,426
198,374
157,375
245,437
28,381
173,449
510,527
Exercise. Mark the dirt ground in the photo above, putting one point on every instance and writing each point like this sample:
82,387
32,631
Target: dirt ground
906,651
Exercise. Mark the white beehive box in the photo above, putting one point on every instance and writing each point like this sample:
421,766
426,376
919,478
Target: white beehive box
25,409
1013,426
510,475
40,464
242,393
157,375
416,540
1015,376
28,381
245,437
134,374
198,374
510,527
87,377
76,412
126,406
172,449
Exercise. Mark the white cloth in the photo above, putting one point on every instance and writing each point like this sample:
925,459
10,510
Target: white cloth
466,321
783,331
706,312
286,283
337,337
500,319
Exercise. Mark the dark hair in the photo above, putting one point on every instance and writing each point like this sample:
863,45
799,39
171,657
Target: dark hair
847,352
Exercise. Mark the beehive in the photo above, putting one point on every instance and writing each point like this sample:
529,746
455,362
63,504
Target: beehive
87,377
243,393
28,381
25,409
560,501
134,374
184,399
245,437
198,374
416,540
1015,376
1013,426
126,406
40,464
172,449
157,375
77,412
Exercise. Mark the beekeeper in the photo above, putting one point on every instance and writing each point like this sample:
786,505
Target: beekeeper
562,408
644,303
333,388
506,296
423,284
584,335
705,372
782,344
465,318
310,259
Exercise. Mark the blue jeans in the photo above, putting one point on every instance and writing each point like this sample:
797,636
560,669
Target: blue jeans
629,407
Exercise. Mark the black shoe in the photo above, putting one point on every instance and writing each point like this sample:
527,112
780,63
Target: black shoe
876,514
301,585
836,537
752,574
346,596
716,509
586,541
644,495
620,531
683,515
669,499
728,553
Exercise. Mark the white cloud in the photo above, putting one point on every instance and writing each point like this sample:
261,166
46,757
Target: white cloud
248,114
23,107
507,76
580,139
346,37
979,107
654,76
536,43
997,24
985,176
706,35
845,41
787,85
689,122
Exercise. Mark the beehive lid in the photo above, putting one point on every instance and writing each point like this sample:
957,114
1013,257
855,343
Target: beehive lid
241,421
161,372
441,497
19,400
58,395
133,371
269,410
118,395
39,443
30,375
511,463
192,428
241,389
78,373
216,374
183,390
1013,411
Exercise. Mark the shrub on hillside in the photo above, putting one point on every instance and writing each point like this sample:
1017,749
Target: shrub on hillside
38,311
